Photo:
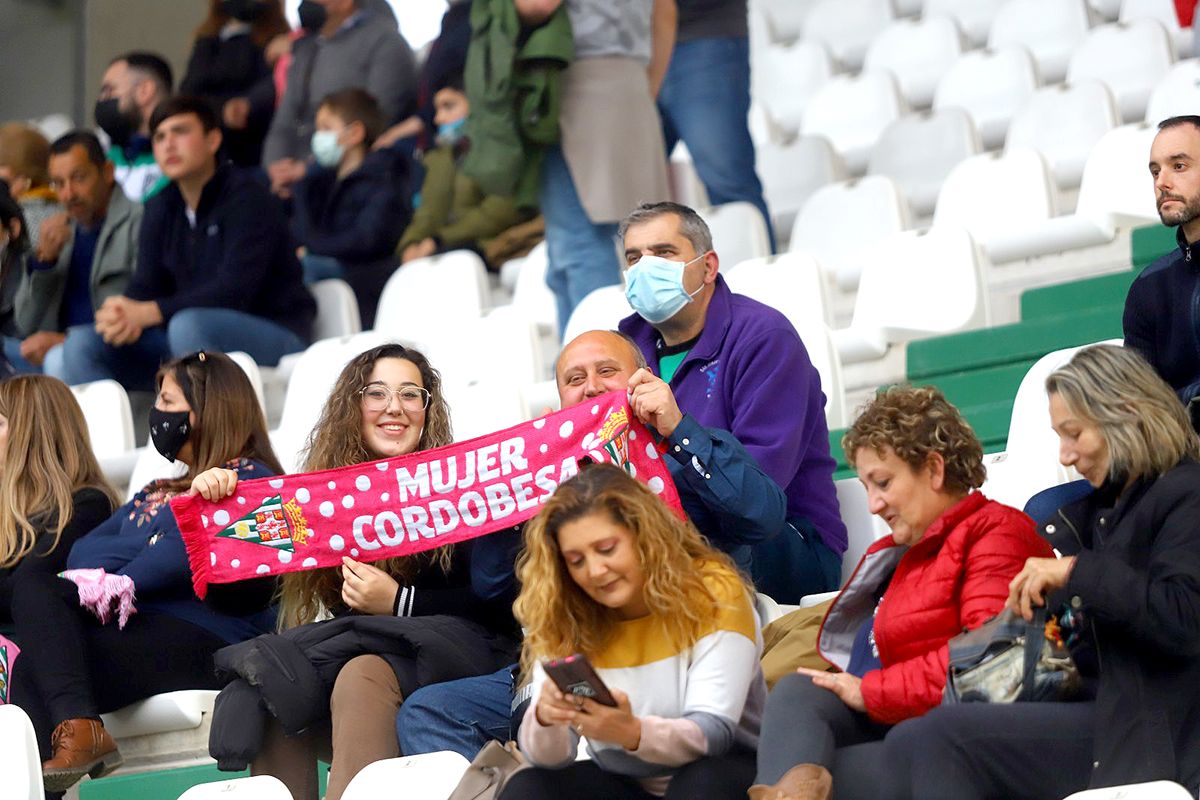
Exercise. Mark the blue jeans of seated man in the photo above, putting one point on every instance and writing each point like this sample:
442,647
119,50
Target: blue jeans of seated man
704,101
582,254
12,352
85,357
320,268
795,563
461,715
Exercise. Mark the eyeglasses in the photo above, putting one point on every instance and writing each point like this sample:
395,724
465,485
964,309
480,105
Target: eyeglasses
377,397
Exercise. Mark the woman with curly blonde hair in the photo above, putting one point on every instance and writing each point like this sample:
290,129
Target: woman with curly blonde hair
945,567
611,574
387,402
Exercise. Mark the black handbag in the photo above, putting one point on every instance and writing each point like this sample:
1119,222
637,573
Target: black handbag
1007,660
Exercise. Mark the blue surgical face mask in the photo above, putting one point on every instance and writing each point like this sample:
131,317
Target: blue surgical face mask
326,149
654,287
451,132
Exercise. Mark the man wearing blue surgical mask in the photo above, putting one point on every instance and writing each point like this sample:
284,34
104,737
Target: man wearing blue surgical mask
738,365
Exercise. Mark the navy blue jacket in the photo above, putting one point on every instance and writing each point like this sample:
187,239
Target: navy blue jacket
142,540
239,255
1162,317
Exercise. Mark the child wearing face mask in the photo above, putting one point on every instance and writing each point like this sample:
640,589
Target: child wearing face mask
454,213
350,206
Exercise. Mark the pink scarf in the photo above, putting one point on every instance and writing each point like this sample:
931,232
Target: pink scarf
401,506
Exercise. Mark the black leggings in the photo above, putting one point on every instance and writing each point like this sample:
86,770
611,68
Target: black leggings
806,724
724,777
71,666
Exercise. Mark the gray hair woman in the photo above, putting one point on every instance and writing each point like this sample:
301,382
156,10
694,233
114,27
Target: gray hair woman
1129,578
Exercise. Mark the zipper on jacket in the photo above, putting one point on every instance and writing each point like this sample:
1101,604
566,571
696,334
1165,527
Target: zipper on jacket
1091,622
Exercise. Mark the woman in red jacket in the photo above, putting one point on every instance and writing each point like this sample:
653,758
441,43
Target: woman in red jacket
945,567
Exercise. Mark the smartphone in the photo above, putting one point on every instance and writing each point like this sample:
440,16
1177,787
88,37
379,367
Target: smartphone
574,675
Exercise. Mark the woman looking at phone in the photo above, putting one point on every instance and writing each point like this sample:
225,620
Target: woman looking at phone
611,574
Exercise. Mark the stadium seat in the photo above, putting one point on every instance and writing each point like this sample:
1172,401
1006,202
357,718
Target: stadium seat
915,284
1154,790
917,52
1178,93
337,309
253,373
974,17
785,78
432,776
429,296
991,86
917,151
793,285
257,787
504,332
739,231
150,466
1063,123
785,18
20,763
792,172
1106,9
1164,12
603,308
846,27
1116,190
108,416
531,296
1051,29
161,713
486,405
768,610
852,112
1130,57
862,527
842,222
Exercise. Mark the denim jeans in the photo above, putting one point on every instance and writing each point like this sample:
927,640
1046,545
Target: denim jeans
319,268
582,253
85,357
19,364
461,715
705,100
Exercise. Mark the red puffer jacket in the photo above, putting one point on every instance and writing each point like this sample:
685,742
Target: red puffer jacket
956,577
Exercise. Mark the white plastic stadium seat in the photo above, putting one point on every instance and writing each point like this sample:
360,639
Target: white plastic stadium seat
20,763
830,226
852,112
485,406
915,284
990,86
862,527
918,151
161,713
253,373
603,308
428,296
791,173
792,284
1116,190
337,309
109,419
531,295
1106,9
257,787
974,17
785,18
847,27
917,52
739,231
1063,123
1178,93
1051,29
504,331
1164,12
432,776
1130,57
150,466
786,77
1155,790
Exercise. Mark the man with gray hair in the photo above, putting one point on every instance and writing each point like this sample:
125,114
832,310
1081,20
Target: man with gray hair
739,366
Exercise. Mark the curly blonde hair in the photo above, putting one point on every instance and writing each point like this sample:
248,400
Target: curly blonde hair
337,441
915,422
559,617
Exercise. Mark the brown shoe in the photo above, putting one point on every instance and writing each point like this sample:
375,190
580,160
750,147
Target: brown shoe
801,782
79,747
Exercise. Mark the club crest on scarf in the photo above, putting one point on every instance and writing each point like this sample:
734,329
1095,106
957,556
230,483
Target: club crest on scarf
273,524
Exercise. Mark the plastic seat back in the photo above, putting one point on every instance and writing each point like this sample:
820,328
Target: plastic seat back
602,309
257,787
1163,11
1131,58
428,295
917,52
846,27
109,419
1176,94
918,151
1064,123
431,776
852,112
337,309
1116,188
785,78
1051,29
974,17
20,763
991,86
739,232
792,173
830,227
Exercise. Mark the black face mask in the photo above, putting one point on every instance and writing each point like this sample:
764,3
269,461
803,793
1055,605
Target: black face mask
169,431
312,16
119,125
242,10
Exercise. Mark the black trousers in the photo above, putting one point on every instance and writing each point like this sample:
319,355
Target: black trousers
806,724
71,666
724,777
981,751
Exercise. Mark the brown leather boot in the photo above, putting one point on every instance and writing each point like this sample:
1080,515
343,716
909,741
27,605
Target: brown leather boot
79,747
801,782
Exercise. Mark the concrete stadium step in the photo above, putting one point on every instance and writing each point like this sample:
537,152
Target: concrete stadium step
1053,301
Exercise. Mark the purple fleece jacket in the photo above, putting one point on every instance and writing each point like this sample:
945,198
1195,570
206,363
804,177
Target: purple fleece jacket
749,374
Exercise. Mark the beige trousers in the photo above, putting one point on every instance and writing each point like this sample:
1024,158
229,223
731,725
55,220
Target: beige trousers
363,706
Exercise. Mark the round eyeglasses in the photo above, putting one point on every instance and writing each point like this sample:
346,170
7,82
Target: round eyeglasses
377,398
